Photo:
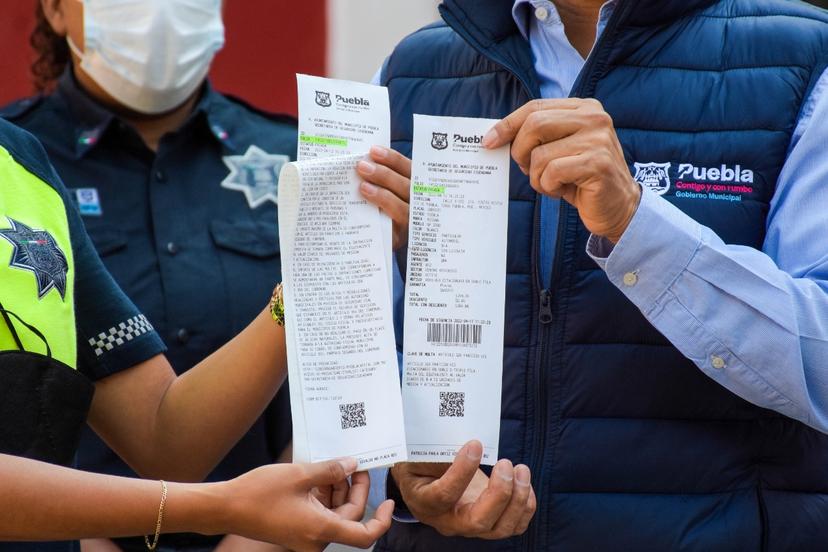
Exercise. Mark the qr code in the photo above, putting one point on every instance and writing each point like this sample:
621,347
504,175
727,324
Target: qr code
353,415
452,405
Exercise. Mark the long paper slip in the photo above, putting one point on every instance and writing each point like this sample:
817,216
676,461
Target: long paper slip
336,252
455,292
338,117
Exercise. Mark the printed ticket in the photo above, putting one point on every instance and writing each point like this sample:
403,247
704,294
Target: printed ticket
339,117
336,256
455,289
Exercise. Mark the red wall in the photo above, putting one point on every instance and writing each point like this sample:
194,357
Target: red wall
268,42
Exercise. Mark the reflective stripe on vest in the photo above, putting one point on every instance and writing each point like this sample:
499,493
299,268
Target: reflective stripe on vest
36,262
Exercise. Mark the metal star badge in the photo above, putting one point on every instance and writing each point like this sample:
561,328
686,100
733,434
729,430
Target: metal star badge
256,174
37,251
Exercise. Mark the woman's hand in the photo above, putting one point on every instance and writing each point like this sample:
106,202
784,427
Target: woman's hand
387,185
281,504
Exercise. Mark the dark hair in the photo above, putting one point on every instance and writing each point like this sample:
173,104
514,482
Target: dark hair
51,51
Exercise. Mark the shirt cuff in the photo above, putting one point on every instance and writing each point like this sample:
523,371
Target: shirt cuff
378,494
383,488
656,248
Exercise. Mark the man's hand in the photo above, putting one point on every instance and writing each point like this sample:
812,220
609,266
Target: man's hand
387,185
459,500
570,150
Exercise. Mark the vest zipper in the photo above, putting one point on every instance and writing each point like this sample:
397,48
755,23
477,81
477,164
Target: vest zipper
544,295
545,319
545,310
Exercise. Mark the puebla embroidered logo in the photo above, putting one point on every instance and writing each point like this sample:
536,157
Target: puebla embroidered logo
36,251
655,176
722,182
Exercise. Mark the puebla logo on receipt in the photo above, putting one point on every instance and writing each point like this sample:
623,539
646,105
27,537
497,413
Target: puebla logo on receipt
458,142
353,104
721,183
323,99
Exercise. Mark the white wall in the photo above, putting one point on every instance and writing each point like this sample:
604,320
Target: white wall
363,32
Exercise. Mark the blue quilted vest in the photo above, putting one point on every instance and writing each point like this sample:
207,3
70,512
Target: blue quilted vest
631,446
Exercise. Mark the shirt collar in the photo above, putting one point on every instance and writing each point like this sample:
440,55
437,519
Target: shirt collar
523,10
219,116
92,119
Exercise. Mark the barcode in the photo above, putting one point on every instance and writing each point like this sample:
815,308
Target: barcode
452,405
353,415
451,333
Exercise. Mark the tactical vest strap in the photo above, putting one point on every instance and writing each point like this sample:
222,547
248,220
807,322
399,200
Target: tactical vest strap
6,314
9,324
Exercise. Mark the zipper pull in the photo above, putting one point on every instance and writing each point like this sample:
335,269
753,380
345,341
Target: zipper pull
545,313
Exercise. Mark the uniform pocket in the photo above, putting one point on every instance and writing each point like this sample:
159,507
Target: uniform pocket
254,239
108,240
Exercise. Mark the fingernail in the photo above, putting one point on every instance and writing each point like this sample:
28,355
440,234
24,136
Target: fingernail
350,465
379,151
490,138
504,470
474,451
368,189
366,168
522,476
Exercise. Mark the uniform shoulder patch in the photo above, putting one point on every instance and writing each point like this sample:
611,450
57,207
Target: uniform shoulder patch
37,251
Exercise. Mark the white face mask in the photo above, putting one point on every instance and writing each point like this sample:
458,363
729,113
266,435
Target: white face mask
150,55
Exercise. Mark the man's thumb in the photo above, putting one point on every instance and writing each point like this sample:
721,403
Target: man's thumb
332,471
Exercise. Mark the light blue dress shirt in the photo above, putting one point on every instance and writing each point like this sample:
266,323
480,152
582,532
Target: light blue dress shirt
558,65
754,321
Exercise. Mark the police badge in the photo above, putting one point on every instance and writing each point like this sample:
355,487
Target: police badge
655,176
439,140
255,174
323,99
36,251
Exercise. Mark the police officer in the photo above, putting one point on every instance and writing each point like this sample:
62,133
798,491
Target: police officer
176,184
66,332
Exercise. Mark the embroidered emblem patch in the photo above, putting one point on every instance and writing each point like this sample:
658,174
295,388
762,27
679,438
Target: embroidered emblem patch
37,252
655,176
256,174
89,202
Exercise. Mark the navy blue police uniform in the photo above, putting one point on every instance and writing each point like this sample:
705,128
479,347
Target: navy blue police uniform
189,232
46,398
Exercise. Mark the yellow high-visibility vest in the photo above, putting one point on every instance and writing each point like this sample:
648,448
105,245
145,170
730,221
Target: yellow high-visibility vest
36,263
